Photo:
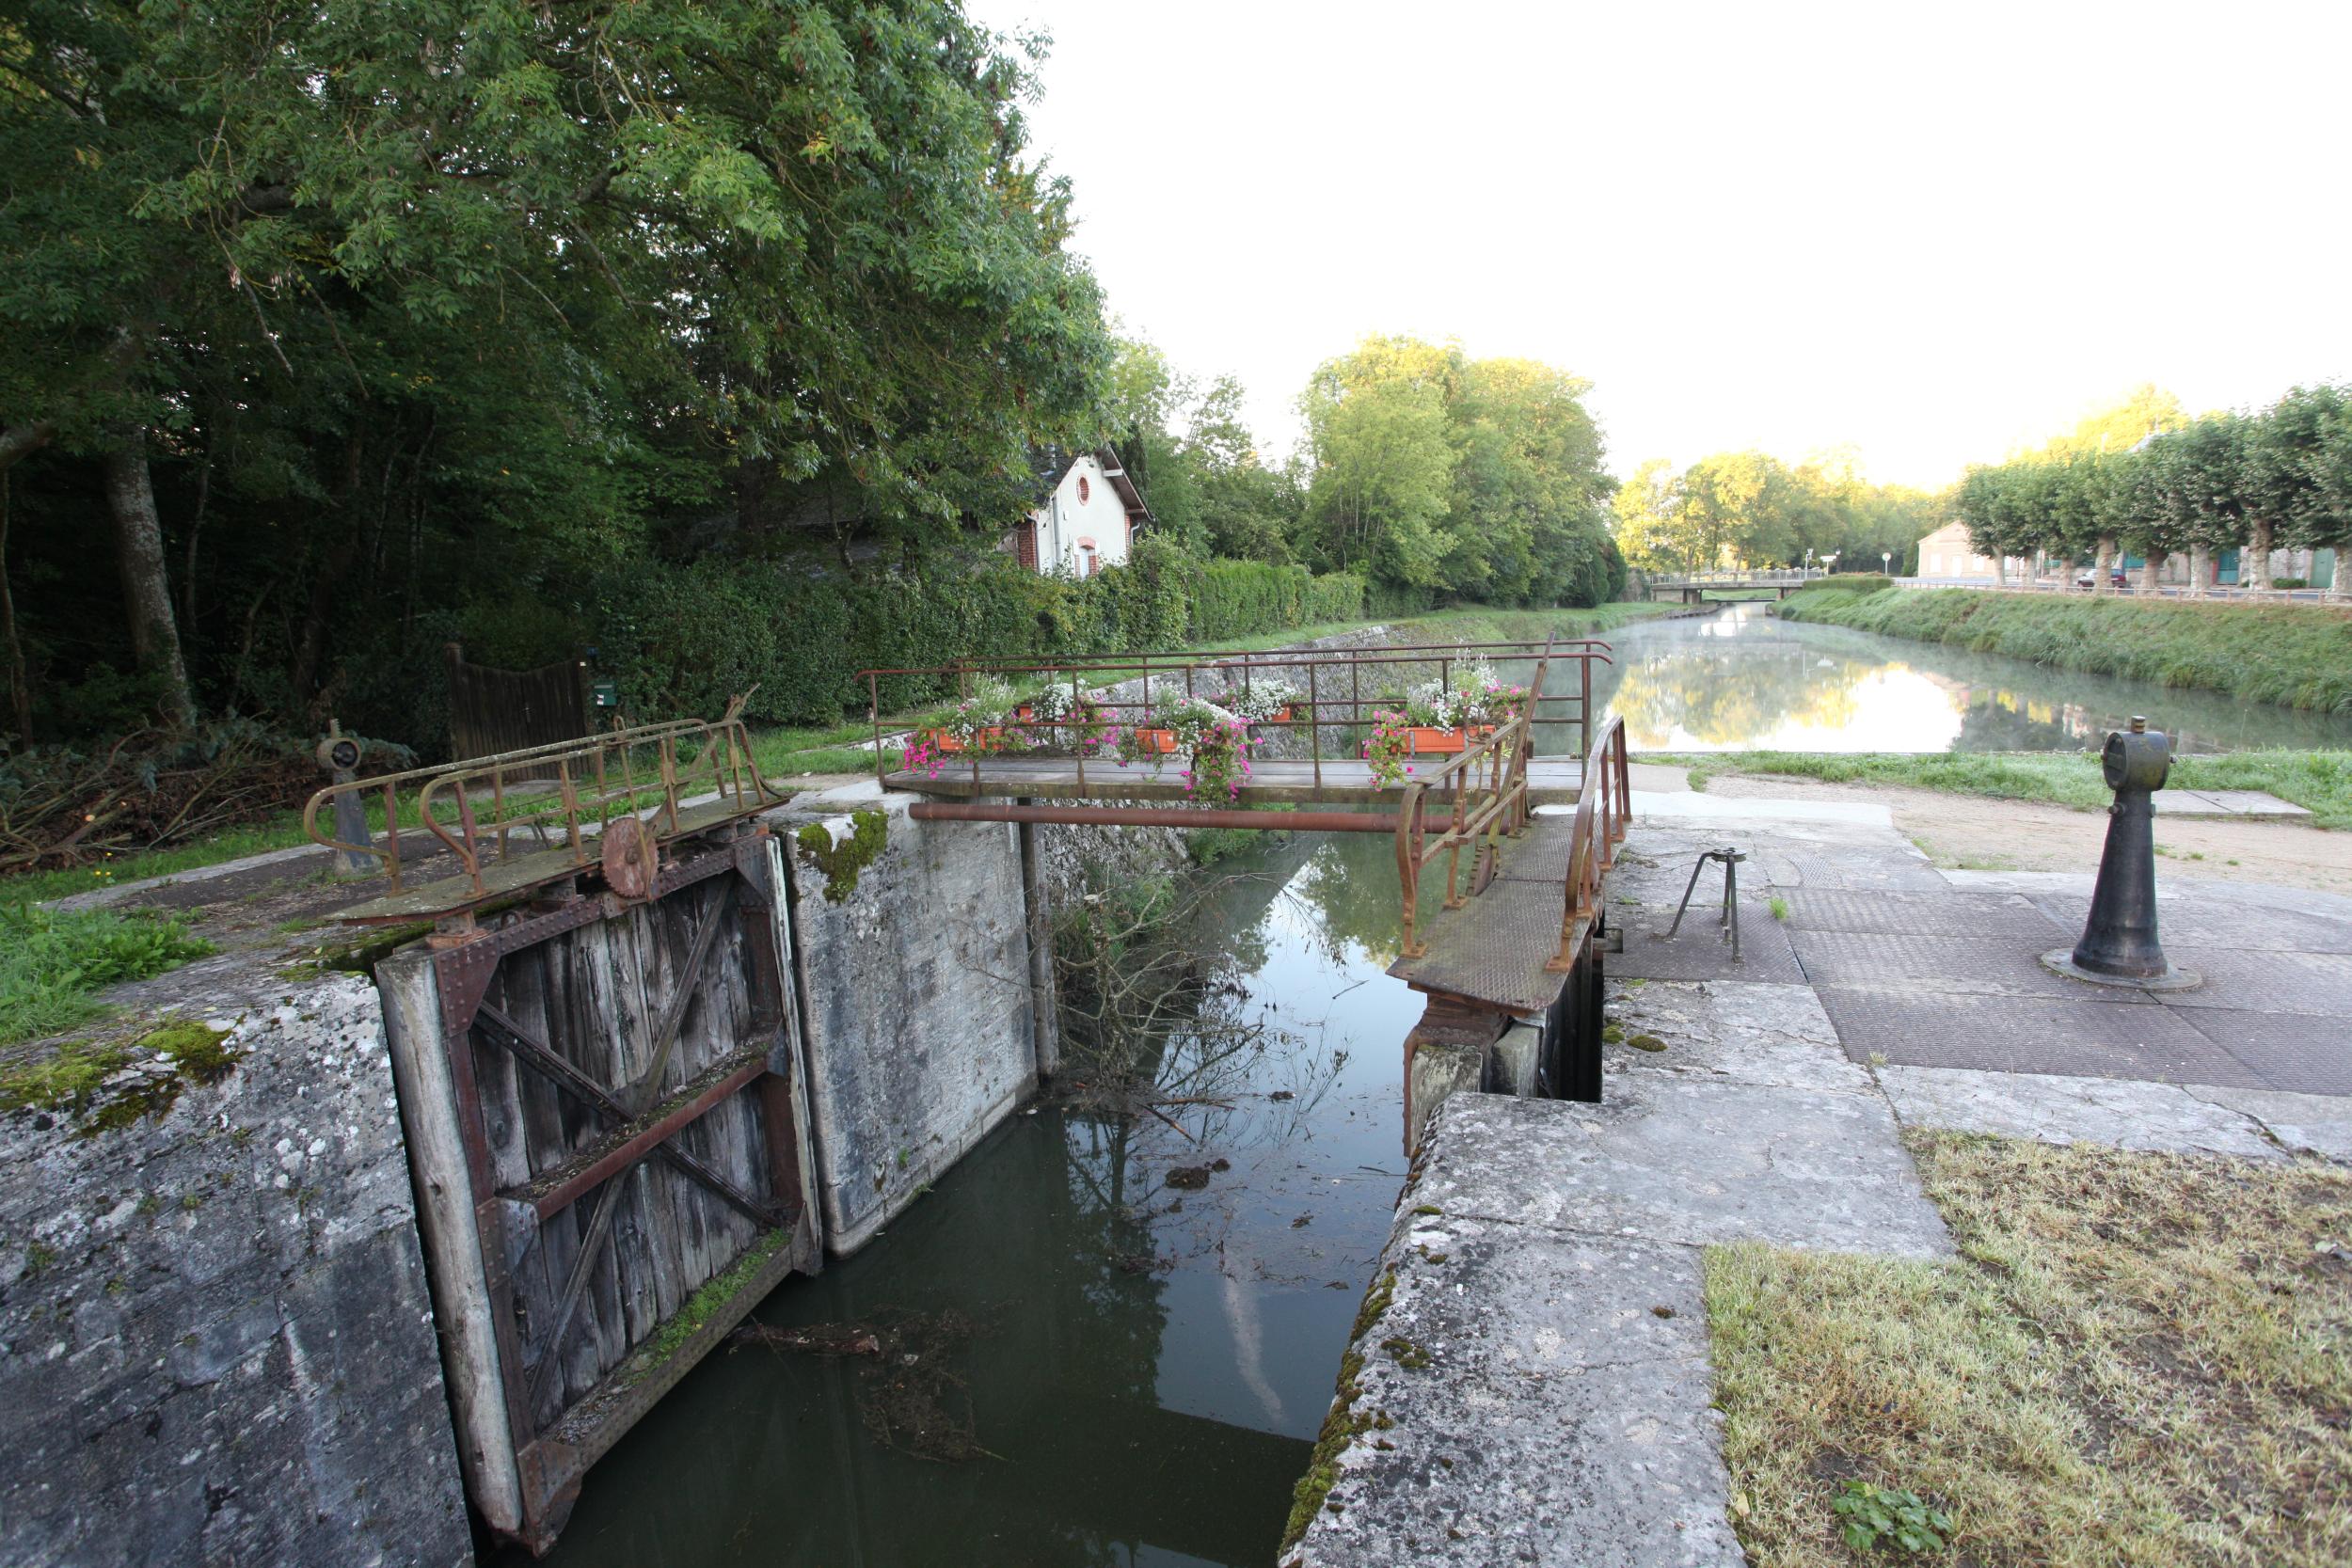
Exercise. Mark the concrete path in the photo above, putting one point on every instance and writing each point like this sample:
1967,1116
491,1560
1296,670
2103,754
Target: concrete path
1533,1385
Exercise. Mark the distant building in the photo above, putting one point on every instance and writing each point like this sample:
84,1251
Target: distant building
1948,553
1088,518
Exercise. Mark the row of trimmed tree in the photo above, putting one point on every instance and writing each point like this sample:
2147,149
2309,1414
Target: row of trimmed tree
2277,479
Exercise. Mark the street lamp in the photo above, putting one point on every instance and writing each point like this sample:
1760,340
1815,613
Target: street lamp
1886,563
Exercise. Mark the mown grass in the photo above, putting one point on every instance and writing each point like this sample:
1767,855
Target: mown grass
53,963
2138,1359
2295,655
2319,782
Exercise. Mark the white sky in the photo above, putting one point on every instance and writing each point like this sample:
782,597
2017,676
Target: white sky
1934,232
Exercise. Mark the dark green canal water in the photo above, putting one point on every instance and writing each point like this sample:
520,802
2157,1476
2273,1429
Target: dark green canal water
1145,1367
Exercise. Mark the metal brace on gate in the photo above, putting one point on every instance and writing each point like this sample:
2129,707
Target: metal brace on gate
1729,925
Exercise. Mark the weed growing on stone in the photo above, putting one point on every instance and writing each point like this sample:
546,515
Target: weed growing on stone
845,862
1779,907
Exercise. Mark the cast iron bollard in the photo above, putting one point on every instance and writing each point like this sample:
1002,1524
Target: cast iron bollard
2119,945
339,755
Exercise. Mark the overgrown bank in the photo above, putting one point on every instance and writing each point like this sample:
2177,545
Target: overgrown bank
2294,655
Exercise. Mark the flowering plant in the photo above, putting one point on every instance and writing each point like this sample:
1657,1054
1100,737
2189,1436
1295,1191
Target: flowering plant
1220,760
980,723
1057,717
1390,744
1260,702
1480,699
920,755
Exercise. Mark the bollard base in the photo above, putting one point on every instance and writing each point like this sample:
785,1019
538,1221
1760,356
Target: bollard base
2061,961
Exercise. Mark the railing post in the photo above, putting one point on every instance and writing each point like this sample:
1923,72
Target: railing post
1314,724
873,712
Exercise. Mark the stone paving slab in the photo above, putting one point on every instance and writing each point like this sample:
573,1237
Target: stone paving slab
2202,921
1949,966
1556,1410
2278,1051
2317,1124
1697,951
2032,1034
2315,984
1673,1159
1748,1032
2252,805
2056,1109
1921,913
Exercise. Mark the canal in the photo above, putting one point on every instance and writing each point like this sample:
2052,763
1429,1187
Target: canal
1105,1369
1742,680
1056,1356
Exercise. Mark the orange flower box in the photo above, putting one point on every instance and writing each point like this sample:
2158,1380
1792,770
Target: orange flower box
1163,742
945,743
1435,742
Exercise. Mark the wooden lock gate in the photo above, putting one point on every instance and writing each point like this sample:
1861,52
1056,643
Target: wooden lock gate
608,1130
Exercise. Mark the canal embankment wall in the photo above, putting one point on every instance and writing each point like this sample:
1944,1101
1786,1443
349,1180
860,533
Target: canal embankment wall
217,1343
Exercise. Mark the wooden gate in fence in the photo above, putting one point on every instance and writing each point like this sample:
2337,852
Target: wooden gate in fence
494,711
605,1116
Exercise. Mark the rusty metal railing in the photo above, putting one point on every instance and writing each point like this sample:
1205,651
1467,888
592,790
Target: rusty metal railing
1604,810
652,772
1341,688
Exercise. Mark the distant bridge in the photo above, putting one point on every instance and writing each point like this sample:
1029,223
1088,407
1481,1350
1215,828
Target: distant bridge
1699,587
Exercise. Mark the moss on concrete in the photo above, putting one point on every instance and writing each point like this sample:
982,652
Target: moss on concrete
75,1080
1345,1423
844,862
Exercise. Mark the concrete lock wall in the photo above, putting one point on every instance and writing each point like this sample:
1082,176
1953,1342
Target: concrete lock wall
924,1017
215,1340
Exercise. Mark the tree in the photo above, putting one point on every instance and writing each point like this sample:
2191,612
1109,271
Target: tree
1649,518
514,282
2292,477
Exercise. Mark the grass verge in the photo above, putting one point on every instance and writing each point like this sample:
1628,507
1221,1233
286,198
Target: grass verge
2319,782
2136,1359
53,964
2293,655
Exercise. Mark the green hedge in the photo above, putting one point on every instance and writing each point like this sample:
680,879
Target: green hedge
1848,582
682,639
2295,655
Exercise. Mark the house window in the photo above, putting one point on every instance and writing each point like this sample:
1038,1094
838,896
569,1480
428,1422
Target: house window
1088,563
1084,489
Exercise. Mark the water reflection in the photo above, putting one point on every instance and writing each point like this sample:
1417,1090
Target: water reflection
1744,680
1148,1365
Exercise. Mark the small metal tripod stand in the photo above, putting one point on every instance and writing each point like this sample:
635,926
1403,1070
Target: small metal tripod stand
1729,926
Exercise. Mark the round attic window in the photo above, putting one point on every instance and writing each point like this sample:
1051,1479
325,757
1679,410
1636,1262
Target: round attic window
1084,489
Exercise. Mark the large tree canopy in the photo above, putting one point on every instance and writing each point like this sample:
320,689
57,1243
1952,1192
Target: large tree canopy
1479,478
370,305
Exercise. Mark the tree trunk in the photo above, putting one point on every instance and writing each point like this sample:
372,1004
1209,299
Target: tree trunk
2200,571
20,686
2106,559
146,589
2148,573
2253,573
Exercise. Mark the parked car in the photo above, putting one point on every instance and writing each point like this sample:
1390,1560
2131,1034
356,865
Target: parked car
2115,578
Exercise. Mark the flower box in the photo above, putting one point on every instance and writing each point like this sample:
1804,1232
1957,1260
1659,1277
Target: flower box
1435,742
988,740
1157,740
